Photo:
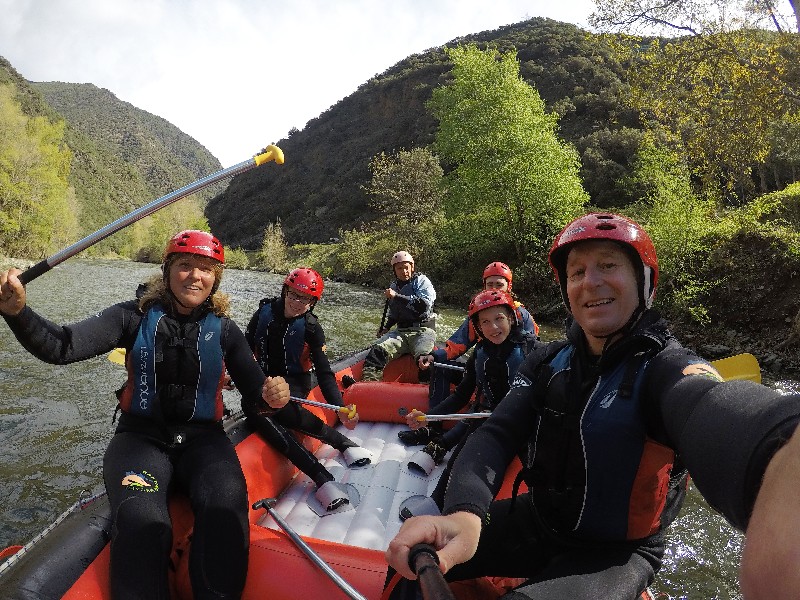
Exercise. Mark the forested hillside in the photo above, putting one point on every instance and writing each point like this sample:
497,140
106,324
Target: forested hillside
120,158
319,189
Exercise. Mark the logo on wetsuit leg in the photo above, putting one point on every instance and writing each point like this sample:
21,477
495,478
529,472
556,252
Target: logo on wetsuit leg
143,481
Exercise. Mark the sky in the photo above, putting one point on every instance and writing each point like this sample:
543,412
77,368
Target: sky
237,75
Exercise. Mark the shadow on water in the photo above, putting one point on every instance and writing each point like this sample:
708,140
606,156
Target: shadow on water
55,422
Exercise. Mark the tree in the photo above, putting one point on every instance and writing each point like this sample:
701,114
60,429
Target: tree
511,178
714,107
695,17
37,205
406,185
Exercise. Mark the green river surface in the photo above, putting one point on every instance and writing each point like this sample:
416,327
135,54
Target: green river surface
55,421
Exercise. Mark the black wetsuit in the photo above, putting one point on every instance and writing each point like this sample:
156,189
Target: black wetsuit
497,372
147,458
724,433
273,354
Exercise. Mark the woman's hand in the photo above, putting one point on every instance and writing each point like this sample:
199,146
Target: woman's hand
348,416
455,538
275,392
12,293
413,419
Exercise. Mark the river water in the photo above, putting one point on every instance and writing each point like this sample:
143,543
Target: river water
55,422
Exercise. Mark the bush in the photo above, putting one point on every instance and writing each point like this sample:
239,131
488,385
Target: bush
235,258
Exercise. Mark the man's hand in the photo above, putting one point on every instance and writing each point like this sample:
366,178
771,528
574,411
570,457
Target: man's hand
425,361
771,556
455,538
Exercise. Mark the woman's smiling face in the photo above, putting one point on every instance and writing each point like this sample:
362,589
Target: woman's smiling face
191,279
602,289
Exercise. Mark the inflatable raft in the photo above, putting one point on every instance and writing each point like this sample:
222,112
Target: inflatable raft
70,559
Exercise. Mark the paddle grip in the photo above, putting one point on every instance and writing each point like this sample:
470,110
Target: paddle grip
33,272
423,560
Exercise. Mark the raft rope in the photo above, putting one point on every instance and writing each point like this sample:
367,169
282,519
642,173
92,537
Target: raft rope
84,500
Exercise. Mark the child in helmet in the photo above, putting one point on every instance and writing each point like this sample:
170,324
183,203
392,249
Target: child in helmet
501,348
496,276
409,305
288,340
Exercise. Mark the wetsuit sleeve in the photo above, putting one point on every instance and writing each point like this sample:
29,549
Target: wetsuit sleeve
725,432
481,465
112,327
250,332
322,367
420,301
462,340
461,395
526,320
244,370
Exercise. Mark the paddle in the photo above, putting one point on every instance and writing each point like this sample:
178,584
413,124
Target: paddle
268,504
383,318
268,154
424,562
740,366
446,366
350,412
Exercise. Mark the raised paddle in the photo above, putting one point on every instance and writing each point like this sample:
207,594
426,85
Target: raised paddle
269,505
266,155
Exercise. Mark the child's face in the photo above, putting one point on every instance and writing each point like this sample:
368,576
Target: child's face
495,282
495,324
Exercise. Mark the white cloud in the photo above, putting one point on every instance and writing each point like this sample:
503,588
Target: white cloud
237,75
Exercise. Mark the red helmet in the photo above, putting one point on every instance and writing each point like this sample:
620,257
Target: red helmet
193,241
499,269
489,298
616,228
305,281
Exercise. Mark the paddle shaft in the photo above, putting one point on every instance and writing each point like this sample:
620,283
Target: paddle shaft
344,409
446,366
454,416
348,589
424,561
383,317
42,267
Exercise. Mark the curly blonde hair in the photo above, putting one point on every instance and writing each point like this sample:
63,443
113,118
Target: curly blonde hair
157,290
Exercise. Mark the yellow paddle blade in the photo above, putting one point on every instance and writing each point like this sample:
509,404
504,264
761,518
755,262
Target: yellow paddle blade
740,366
117,356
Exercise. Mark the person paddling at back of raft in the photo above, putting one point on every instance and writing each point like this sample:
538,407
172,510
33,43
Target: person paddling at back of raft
496,276
501,348
170,434
409,305
287,340
607,422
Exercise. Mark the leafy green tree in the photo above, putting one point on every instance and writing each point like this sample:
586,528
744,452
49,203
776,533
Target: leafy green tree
36,203
406,185
712,105
511,177
678,221
273,253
